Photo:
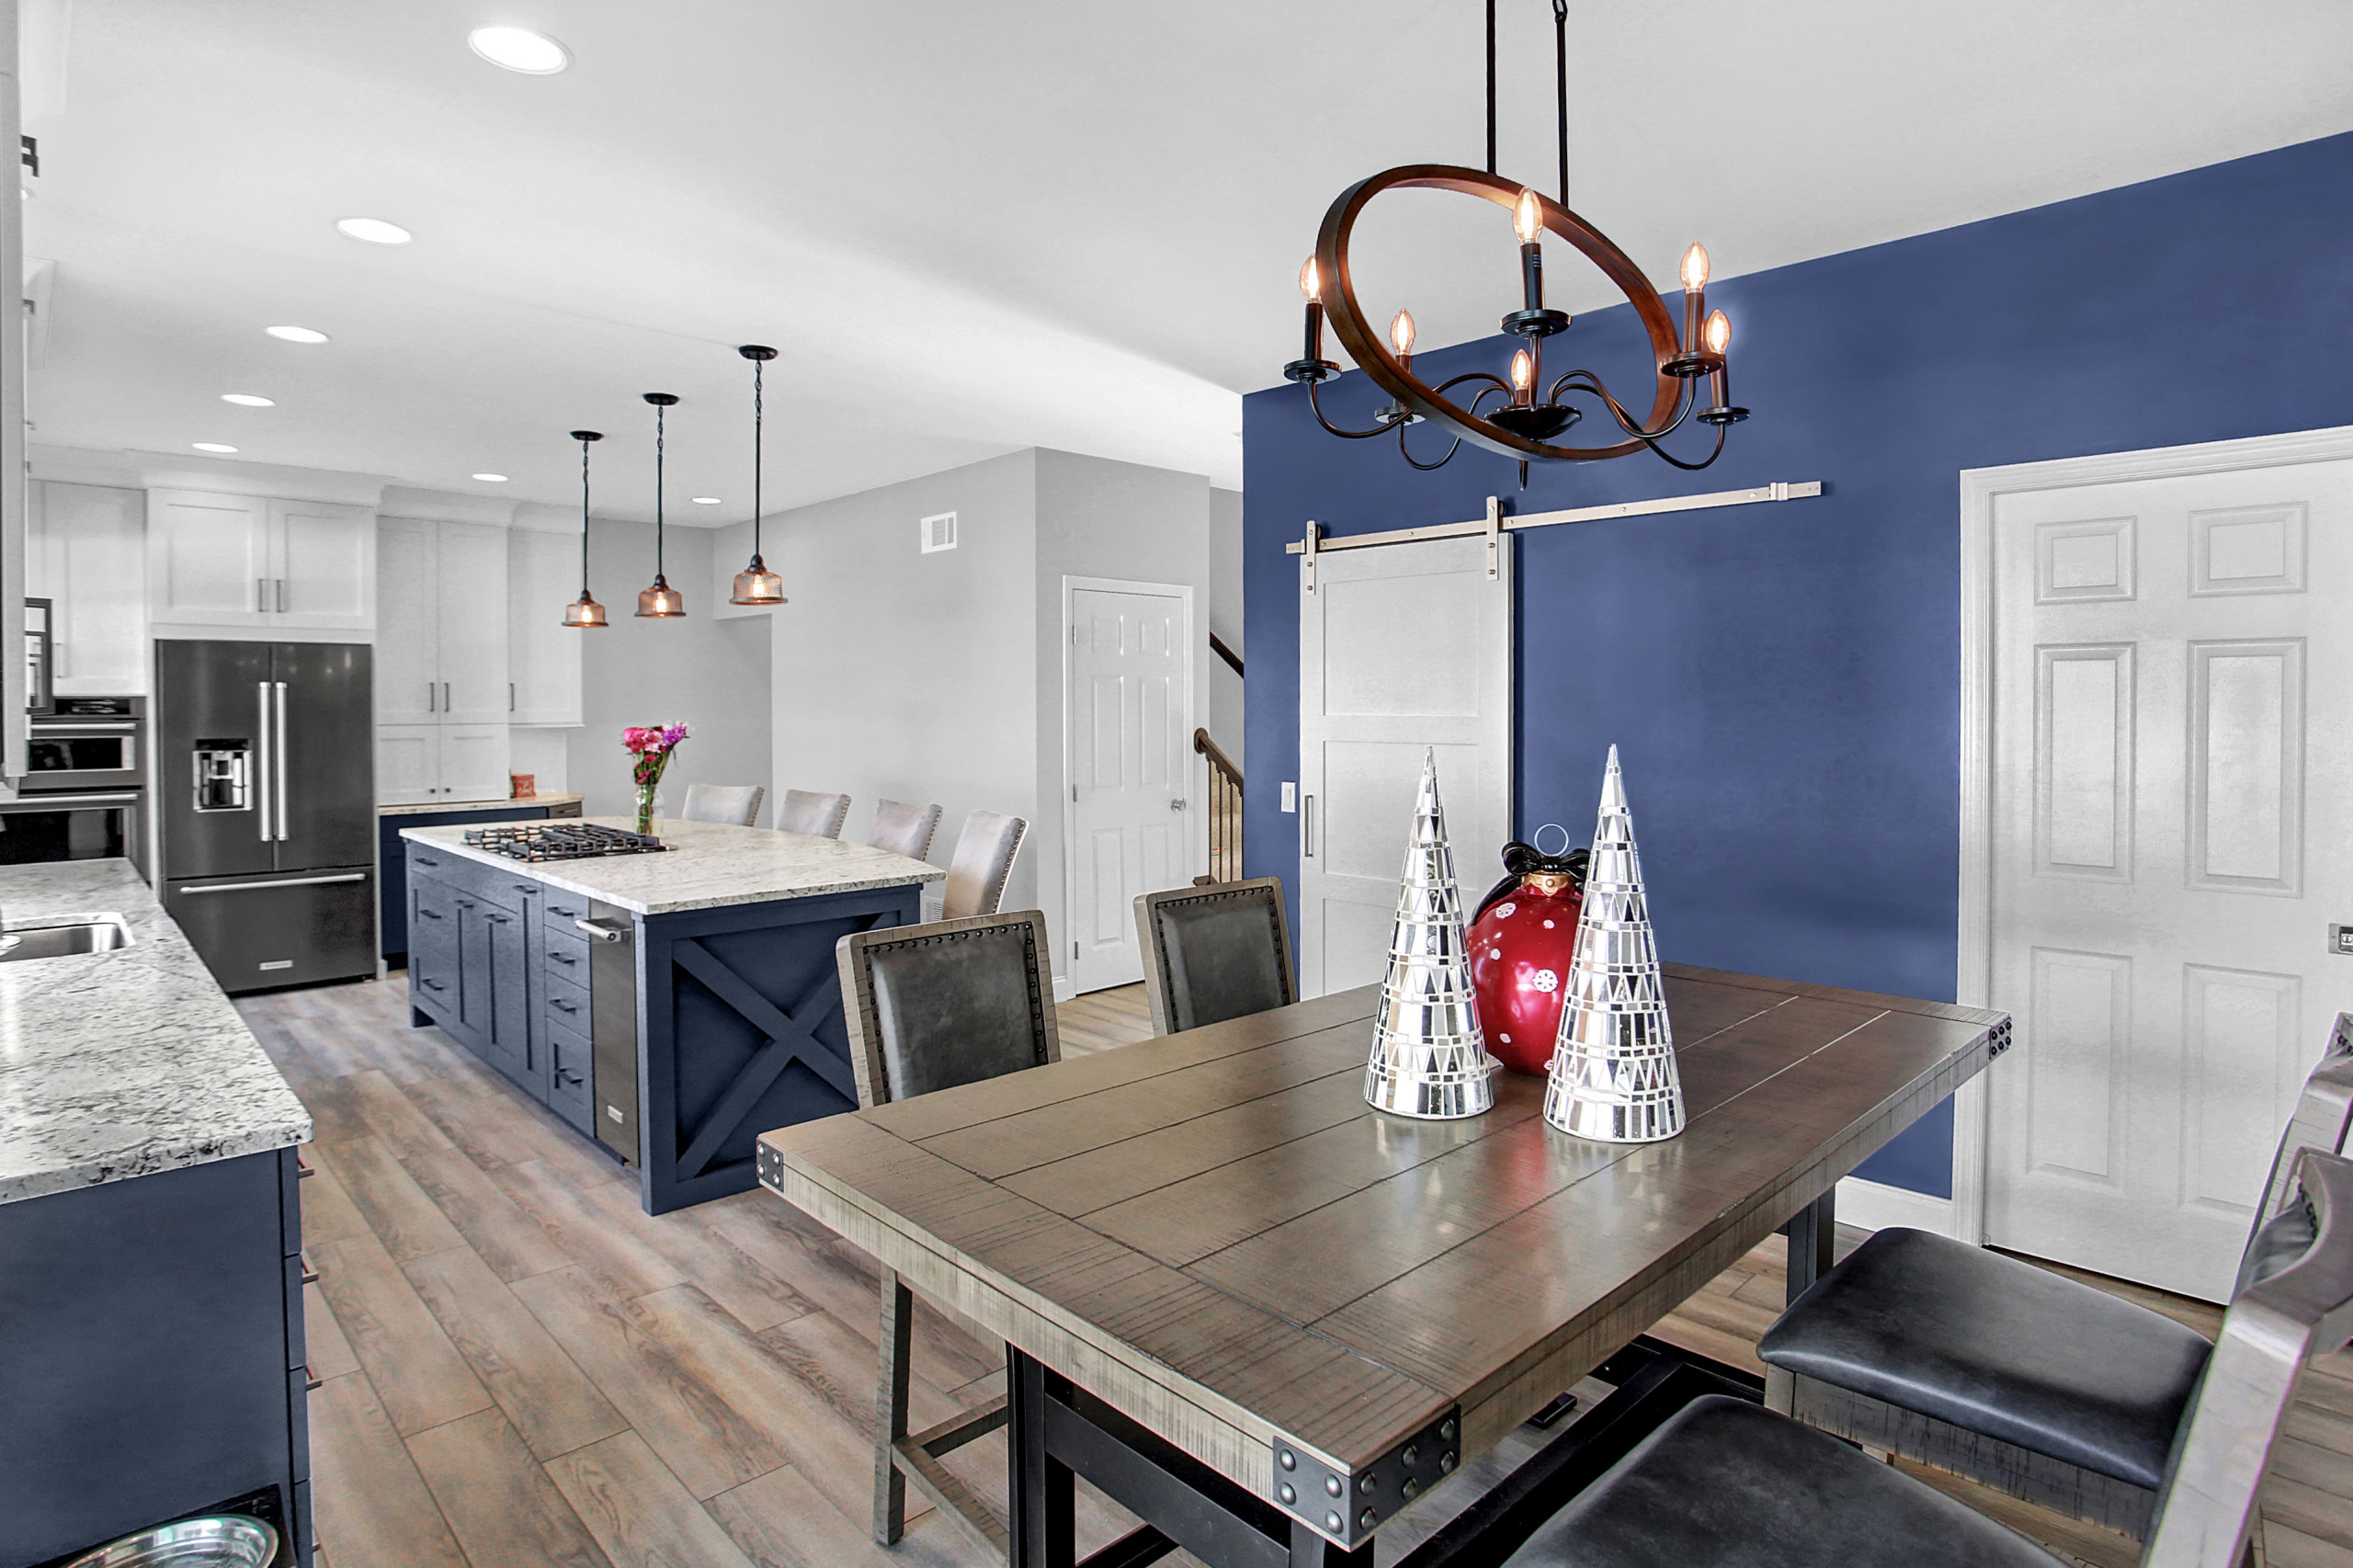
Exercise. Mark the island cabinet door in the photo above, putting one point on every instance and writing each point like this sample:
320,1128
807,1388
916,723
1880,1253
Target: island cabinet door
508,1035
433,948
474,975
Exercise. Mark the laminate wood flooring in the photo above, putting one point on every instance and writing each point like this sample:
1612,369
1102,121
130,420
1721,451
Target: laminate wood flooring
522,1369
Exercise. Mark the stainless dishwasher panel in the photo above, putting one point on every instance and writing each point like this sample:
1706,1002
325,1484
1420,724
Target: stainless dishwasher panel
612,1007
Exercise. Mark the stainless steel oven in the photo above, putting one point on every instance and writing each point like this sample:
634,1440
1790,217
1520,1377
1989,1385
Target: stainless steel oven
86,743
79,824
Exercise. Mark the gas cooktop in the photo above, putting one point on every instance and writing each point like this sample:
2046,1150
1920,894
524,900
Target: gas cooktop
565,841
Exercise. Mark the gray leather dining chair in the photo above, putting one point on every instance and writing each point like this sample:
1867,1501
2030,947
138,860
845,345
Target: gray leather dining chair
2037,1386
983,859
1214,952
903,829
804,811
1723,1483
737,805
931,1007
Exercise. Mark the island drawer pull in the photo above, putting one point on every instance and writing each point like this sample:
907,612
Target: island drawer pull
423,860
566,1076
310,1274
311,1384
567,1007
602,930
301,1171
564,958
435,985
429,914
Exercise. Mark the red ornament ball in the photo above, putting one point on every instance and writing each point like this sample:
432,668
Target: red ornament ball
1520,967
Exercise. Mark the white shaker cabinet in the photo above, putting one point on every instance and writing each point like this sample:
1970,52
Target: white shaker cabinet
408,647
85,551
442,693
473,762
543,655
250,566
408,764
472,633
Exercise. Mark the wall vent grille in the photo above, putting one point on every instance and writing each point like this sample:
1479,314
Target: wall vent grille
940,532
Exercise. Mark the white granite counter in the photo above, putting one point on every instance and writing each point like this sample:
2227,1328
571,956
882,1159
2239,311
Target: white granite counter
708,865
419,808
122,1064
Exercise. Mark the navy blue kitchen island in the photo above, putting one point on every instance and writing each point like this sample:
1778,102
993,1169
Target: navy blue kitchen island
672,1006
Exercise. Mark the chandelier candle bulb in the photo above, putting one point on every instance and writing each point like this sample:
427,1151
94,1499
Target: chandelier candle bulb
1401,336
1528,223
1523,376
1717,337
1695,294
1311,367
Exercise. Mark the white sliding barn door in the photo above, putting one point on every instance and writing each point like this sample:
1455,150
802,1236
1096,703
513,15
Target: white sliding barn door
2171,836
1130,760
1401,647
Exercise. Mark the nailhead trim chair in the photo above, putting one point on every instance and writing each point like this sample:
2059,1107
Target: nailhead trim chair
983,859
930,1007
1214,952
820,816
2051,1391
903,829
737,805
1724,1484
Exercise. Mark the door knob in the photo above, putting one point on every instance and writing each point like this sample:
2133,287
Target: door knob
1178,805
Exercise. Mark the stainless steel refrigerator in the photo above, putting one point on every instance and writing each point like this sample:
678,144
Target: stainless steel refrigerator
265,802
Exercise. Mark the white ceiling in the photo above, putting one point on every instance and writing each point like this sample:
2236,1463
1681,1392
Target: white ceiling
977,227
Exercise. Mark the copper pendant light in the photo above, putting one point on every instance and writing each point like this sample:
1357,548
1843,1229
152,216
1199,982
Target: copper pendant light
584,613
755,585
1520,418
661,601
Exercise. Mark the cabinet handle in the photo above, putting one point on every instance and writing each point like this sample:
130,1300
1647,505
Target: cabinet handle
310,1274
564,958
525,887
510,696
435,985
301,1171
423,861
310,1384
428,699
565,1075
261,595
445,697
429,914
567,1007
281,596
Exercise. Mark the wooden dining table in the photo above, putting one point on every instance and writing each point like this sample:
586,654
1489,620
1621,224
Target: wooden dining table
1266,1318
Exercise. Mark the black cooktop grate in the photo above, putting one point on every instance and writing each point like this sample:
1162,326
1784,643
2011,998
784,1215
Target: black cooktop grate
564,841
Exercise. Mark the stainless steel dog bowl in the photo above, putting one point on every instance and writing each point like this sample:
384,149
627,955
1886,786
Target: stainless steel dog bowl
225,1541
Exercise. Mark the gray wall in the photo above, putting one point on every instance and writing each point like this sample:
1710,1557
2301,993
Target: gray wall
1225,705
710,671
903,674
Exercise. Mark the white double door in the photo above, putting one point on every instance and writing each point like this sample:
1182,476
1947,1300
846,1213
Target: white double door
1129,692
2172,838
1403,648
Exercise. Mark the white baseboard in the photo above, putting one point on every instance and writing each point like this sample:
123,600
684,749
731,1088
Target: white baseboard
1063,990
1874,1206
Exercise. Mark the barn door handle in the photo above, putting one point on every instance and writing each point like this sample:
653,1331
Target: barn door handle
1307,824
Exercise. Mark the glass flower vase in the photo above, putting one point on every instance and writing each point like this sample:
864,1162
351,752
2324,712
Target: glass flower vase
648,799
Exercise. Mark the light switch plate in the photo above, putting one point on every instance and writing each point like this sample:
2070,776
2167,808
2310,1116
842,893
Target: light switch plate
2340,940
1290,796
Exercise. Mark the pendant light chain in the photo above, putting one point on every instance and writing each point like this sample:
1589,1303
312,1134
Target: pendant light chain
660,418
584,517
755,585
759,415
1561,85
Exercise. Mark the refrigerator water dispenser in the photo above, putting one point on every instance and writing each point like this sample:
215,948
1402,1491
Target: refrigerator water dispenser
222,768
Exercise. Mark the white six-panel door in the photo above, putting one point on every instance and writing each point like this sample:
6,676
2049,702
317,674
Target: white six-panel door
1401,647
1131,763
2171,836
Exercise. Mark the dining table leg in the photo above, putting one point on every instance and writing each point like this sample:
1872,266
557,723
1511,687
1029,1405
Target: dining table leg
1044,1530
1812,1230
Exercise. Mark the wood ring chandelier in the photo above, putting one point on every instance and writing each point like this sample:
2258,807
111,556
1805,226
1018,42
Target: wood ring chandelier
1693,378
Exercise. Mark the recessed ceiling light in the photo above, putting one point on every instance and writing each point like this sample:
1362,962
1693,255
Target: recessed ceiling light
520,49
211,446
249,400
492,478
295,335
375,231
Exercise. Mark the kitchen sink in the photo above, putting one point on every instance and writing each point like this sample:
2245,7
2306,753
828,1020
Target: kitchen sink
63,942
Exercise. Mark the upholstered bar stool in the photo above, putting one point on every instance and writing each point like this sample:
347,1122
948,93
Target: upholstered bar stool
1214,952
1725,1484
2047,1389
737,805
903,829
930,1007
820,816
983,859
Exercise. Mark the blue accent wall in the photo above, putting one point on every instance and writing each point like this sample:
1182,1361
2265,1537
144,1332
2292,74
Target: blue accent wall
1784,680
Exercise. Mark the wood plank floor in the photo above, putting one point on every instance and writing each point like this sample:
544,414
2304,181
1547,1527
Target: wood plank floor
521,1369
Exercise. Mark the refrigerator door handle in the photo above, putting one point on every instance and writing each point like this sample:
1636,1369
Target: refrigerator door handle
278,756
276,883
261,755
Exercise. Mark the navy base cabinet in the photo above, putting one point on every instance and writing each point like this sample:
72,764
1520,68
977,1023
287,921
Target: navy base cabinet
391,857
151,1358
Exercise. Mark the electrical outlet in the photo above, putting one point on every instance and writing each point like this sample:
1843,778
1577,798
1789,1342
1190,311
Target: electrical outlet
2340,940
1290,796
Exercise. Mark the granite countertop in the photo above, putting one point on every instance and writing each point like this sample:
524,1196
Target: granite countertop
123,1064
708,865
421,808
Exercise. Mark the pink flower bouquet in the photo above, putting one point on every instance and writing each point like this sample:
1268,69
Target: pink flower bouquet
650,746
